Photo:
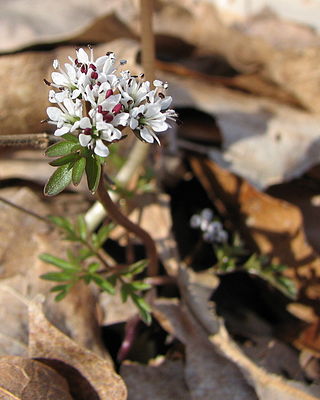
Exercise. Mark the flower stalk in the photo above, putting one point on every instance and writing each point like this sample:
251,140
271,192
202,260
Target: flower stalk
117,216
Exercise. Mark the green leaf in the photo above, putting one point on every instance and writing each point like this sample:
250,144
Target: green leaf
60,296
69,158
101,236
78,170
58,262
124,292
61,222
93,171
135,268
143,307
138,285
81,227
69,137
103,283
140,302
59,180
85,253
93,267
112,279
58,288
57,276
60,149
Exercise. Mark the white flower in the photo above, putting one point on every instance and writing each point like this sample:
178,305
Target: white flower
148,119
94,99
67,117
94,134
133,90
65,79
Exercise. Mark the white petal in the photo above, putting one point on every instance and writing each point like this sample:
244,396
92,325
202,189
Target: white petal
59,79
146,135
84,139
54,113
62,131
76,93
55,64
152,110
165,103
70,106
70,71
85,123
159,126
82,56
158,83
100,149
120,119
100,62
133,123
75,126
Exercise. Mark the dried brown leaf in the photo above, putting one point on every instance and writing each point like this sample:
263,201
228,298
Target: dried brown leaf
187,322
21,111
272,226
23,26
25,379
23,238
89,376
158,381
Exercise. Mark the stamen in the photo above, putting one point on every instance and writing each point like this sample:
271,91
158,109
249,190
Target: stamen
107,117
94,75
84,69
88,131
47,82
109,93
117,108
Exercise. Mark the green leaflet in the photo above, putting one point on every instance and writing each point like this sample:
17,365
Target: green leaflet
59,180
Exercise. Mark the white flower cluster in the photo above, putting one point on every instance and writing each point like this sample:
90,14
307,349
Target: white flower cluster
212,231
95,100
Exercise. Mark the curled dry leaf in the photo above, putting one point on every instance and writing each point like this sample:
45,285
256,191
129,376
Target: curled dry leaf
186,321
264,128
89,376
22,378
23,26
272,226
22,239
22,110
158,381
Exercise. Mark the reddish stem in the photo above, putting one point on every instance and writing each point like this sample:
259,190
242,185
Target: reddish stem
117,216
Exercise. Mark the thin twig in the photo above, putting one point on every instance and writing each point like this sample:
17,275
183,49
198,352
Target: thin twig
121,219
147,39
39,140
24,210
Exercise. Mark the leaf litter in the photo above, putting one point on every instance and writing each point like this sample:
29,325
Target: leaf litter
268,108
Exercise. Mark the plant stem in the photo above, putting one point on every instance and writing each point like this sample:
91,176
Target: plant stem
140,151
115,213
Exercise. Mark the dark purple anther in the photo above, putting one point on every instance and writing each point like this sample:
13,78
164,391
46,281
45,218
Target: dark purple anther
84,69
88,131
109,93
107,117
117,108
93,67
94,75
100,109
